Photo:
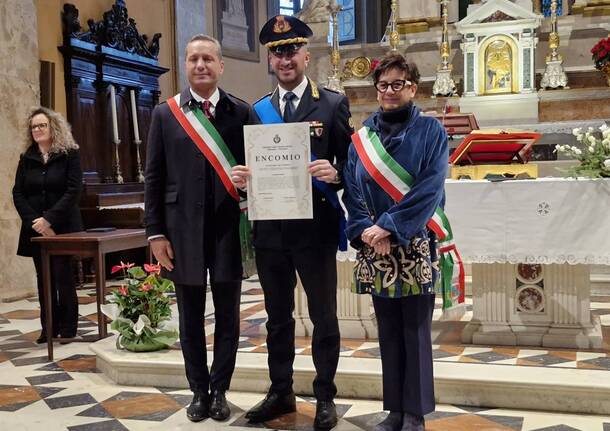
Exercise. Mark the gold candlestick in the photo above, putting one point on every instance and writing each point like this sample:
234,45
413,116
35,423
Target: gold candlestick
444,84
334,80
394,36
554,75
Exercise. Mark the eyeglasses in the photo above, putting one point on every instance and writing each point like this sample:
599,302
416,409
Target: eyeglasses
41,126
398,85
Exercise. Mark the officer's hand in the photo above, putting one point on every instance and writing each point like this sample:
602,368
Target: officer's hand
323,171
163,252
240,175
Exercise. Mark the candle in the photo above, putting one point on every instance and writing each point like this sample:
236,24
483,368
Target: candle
115,123
134,114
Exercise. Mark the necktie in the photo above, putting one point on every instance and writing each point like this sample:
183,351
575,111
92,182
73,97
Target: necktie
207,105
289,107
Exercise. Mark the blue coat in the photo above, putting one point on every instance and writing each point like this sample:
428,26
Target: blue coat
421,148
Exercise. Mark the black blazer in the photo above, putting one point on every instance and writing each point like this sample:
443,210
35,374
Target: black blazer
176,185
331,109
50,190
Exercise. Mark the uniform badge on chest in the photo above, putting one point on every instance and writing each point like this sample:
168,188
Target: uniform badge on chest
316,128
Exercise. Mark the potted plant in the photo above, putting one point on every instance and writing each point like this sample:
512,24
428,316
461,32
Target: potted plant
140,309
594,157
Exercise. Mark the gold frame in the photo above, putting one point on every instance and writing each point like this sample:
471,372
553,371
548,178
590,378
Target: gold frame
515,66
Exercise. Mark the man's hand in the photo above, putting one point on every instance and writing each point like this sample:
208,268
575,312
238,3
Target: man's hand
40,225
240,175
383,246
373,235
323,171
48,232
163,252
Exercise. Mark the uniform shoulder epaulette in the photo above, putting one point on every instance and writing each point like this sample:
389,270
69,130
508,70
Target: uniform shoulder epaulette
266,95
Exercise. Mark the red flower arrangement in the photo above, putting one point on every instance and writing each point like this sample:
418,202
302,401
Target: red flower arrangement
601,53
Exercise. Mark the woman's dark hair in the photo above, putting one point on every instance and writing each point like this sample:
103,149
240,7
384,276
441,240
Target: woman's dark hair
395,60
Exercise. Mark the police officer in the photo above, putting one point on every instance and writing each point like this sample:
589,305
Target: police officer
307,247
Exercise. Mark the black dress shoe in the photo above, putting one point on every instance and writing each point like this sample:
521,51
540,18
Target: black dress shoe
42,338
199,408
272,406
326,415
219,409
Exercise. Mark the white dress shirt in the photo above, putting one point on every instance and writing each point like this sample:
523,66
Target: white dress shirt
214,98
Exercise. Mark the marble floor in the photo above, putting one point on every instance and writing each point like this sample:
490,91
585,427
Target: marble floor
70,393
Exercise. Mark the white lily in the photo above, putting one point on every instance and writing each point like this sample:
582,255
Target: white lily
591,149
590,130
592,139
607,163
576,131
576,151
604,127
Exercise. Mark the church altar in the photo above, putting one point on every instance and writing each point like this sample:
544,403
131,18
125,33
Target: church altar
531,244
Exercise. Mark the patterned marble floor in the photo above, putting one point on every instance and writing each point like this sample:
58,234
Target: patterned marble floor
71,394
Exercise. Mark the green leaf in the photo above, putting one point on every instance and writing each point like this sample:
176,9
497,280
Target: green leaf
136,272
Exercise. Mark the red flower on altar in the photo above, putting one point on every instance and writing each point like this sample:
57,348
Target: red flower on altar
145,288
150,268
117,268
123,291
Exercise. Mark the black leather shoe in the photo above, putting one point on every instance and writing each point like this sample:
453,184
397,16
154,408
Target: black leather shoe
326,415
412,423
219,409
272,406
199,408
42,338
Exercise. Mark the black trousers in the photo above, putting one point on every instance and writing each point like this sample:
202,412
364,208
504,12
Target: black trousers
318,273
405,342
191,307
64,302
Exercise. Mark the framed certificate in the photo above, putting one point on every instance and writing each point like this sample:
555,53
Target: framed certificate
280,186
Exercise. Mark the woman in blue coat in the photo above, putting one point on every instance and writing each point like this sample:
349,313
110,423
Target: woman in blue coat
394,182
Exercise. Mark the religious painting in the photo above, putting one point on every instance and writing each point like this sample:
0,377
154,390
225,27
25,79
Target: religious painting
498,71
498,67
236,27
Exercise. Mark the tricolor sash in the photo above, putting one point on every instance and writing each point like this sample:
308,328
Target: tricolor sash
397,182
268,115
207,139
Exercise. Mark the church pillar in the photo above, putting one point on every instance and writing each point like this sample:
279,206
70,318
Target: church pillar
20,88
191,19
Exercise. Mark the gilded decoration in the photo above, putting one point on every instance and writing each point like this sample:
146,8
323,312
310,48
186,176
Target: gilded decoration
498,69
359,67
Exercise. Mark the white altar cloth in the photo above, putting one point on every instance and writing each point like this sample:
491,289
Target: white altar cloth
546,221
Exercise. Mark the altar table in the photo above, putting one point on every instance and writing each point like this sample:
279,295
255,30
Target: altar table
530,243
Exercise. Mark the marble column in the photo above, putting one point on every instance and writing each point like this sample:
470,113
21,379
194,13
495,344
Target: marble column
20,89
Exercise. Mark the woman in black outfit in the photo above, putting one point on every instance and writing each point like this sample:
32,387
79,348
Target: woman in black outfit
45,194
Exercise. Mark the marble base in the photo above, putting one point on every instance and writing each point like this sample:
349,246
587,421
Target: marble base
536,336
504,109
548,389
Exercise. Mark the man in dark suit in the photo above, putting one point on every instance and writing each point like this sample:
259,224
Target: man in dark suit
192,217
307,246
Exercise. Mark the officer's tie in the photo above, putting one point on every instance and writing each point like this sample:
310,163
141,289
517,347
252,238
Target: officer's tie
289,107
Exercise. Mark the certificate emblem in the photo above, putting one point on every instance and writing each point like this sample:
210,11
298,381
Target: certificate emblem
277,139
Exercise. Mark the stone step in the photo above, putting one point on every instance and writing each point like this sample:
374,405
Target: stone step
482,385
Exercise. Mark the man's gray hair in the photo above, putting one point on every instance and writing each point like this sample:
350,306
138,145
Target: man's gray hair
205,38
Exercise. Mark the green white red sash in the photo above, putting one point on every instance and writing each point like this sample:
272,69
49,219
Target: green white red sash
397,182
203,133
